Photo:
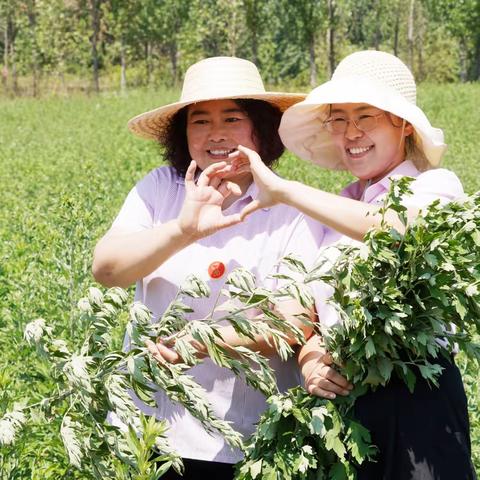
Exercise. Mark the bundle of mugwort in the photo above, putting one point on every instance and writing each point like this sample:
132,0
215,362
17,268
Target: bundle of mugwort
400,299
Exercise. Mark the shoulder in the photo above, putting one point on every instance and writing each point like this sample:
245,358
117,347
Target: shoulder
439,180
160,179
165,174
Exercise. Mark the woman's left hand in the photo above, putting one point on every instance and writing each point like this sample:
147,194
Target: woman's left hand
201,213
270,186
163,354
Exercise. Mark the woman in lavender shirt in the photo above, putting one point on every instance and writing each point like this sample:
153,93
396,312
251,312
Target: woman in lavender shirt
172,224
365,120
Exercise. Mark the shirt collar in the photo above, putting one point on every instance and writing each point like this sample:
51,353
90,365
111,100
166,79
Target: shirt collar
405,169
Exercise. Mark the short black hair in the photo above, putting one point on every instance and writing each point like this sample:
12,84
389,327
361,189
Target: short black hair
265,119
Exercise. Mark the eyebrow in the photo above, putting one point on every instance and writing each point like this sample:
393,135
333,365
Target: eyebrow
227,110
358,109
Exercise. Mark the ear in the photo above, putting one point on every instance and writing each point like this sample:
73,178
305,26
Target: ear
408,129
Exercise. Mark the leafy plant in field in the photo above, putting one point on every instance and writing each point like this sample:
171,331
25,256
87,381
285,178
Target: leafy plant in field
95,382
401,299
398,297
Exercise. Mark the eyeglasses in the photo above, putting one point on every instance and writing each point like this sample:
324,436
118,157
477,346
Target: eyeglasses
364,123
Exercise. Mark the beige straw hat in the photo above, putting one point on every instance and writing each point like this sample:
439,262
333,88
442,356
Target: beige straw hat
214,78
376,78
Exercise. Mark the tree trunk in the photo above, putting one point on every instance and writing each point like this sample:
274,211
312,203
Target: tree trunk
95,17
377,34
420,41
252,24
123,62
410,33
331,37
173,52
396,30
463,59
6,48
313,66
148,65
32,20
476,60
255,47
13,63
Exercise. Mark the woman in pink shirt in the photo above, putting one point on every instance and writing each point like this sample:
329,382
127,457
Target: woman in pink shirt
172,224
365,120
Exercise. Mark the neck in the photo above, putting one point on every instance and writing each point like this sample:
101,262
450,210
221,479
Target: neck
366,182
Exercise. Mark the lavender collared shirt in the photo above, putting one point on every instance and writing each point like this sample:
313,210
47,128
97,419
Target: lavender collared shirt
255,244
428,186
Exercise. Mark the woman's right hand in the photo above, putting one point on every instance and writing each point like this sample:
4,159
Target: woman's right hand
318,370
201,213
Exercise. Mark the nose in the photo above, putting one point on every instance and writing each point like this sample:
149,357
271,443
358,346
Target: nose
352,131
217,132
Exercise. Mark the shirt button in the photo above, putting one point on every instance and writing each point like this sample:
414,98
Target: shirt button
216,269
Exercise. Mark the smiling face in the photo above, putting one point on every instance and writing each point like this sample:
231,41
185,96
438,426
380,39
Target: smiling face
372,154
215,128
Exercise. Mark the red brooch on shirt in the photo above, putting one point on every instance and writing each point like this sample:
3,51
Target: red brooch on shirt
216,269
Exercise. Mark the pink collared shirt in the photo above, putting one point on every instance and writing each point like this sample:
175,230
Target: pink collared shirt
428,186
255,244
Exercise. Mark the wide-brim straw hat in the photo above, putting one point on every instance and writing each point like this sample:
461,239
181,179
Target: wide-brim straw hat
373,77
215,78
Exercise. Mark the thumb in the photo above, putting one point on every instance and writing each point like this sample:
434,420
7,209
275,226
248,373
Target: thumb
253,206
230,220
327,359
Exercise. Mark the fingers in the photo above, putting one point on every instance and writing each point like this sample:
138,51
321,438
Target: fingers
230,220
250,154
253,206
328,383
227,188
161,353
209,173
190,174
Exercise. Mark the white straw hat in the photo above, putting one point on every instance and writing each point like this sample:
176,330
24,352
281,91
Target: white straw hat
214,78
376,78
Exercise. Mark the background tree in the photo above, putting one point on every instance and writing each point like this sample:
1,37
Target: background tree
294,43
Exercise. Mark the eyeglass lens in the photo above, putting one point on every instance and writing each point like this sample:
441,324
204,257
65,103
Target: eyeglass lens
363,123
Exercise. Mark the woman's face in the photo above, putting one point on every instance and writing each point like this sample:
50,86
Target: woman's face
369,155
215,128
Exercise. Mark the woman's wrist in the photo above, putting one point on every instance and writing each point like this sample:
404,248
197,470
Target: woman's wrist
286,190
183,234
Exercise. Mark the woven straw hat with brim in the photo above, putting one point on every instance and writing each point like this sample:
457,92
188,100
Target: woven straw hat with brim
376,78
216,78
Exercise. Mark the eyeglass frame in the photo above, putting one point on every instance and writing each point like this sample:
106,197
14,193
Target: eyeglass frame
329,122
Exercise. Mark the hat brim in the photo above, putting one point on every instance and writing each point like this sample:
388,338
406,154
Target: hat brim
152,124
302,127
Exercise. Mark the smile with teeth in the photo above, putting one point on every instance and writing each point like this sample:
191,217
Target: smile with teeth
221,152
358,150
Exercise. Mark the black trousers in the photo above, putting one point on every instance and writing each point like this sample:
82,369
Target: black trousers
420,436
202,470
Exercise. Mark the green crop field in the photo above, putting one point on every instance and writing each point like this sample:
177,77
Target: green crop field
66,166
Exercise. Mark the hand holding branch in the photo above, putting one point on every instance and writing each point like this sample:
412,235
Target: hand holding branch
321,378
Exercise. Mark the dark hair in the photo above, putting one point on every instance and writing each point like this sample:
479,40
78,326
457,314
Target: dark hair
265,119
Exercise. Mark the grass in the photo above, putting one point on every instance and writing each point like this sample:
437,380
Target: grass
67,165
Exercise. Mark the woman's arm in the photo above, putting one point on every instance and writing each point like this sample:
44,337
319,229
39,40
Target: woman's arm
123,257
349,217
290,310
